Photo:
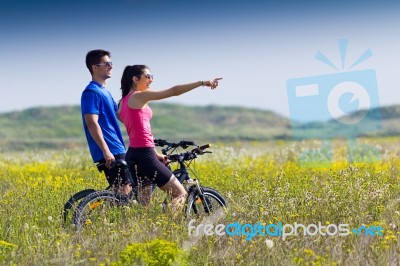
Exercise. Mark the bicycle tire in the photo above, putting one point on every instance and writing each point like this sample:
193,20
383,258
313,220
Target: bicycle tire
197,206
96,209
74,201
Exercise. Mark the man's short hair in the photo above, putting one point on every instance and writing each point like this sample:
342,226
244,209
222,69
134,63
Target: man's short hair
94,57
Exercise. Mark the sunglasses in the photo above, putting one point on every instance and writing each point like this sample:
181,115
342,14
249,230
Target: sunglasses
107,64
148,76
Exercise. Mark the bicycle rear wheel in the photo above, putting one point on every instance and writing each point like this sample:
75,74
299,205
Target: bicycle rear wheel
73,202
99,209
209,201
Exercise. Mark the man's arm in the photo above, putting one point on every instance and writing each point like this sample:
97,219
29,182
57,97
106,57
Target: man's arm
95,131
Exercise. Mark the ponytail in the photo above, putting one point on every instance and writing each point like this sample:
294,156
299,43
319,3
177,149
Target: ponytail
126,81
127,77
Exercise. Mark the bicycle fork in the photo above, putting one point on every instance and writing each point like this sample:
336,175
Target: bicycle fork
203,199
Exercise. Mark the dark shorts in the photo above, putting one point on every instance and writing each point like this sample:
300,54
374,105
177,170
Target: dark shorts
145,166
113,174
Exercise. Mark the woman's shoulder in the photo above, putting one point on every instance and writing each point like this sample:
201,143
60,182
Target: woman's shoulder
137,102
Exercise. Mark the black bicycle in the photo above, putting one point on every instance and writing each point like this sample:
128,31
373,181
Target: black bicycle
99,207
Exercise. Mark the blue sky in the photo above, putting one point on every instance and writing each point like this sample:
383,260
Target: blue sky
254,45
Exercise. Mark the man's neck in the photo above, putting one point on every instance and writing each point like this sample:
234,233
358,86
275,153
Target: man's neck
102,82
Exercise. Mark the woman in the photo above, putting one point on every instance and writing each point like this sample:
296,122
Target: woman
136,114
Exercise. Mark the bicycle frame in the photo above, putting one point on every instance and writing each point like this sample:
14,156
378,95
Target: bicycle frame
183,175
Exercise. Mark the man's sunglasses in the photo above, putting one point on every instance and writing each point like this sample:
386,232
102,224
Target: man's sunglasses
107,64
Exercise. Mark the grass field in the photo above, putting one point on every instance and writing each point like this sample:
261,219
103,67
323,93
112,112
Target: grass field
267,182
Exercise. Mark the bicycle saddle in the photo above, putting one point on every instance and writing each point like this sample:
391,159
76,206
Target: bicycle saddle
121,163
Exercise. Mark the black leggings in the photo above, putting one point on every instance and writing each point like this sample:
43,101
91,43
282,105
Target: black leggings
145,166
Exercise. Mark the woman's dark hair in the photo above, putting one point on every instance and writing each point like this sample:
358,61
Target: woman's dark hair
94,57
129,73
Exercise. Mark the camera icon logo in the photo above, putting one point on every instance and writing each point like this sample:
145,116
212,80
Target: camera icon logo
344,99
338,105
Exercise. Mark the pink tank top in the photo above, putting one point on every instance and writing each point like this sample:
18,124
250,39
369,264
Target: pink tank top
137,124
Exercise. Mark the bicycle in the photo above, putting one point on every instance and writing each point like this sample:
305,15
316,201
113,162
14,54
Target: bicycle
99,207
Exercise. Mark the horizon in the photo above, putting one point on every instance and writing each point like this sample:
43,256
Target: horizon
191,106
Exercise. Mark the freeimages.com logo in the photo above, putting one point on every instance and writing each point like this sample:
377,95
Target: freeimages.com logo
344,104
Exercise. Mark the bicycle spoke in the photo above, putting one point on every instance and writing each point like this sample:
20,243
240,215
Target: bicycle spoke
205,204
98,211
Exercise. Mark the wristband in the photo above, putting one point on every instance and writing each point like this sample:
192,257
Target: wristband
202,83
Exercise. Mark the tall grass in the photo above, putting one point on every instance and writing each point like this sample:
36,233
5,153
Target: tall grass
263,182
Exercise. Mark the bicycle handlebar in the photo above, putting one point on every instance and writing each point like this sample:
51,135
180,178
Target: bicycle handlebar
183,143
208,145
160,142
173,145
189,155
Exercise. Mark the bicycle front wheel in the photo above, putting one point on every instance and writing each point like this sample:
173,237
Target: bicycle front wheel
98,210
209,201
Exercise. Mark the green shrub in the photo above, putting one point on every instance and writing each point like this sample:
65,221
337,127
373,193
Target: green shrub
154,252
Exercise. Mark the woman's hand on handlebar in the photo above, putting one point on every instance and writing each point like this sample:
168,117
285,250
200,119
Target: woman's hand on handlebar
162,158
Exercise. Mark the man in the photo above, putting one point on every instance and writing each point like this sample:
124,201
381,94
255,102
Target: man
99,117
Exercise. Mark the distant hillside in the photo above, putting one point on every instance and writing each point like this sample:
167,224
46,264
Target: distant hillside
376,122
61,127
215,122
52,127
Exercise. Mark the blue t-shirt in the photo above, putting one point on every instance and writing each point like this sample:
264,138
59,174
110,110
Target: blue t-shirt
97,100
